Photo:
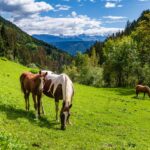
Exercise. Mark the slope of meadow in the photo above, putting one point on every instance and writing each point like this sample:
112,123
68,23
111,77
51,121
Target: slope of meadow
102,118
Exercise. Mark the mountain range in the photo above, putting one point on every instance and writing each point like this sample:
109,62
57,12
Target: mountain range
70,44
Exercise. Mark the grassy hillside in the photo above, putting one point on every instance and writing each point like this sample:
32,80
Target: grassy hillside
102,118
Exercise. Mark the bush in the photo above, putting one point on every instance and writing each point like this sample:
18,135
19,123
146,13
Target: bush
92,76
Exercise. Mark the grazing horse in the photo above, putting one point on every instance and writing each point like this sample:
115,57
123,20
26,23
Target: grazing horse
33,83
142,89
60,87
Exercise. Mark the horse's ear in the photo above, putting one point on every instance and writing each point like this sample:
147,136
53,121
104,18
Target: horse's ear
70,106
40,72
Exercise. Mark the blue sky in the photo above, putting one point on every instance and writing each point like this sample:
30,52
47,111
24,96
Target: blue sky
72,17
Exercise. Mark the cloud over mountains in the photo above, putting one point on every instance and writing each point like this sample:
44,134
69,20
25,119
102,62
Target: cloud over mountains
27,15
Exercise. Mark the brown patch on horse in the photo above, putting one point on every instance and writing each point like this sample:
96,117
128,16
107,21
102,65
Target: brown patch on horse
49,92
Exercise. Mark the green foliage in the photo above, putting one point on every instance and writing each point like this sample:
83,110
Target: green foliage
142,35
124,56
85,70
121,61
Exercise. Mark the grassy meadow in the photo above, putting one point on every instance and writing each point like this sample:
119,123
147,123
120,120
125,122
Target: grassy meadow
102,118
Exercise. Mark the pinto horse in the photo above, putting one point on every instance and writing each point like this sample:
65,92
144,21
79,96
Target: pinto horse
142,89
33,83
60,87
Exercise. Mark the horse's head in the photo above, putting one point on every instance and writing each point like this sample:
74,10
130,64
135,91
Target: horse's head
64,115
41,80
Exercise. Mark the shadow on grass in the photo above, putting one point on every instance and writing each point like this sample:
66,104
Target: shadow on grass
14,113
123,91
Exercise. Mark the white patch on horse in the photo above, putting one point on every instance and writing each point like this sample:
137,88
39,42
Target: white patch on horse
64,80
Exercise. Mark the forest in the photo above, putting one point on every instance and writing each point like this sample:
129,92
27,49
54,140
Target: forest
18,46
122,60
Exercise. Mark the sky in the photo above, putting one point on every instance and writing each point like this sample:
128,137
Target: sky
72,17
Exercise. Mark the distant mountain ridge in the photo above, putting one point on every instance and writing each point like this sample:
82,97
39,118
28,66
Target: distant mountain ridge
72,47
70,44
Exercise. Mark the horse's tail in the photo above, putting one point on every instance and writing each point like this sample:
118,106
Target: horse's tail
22,77
68,91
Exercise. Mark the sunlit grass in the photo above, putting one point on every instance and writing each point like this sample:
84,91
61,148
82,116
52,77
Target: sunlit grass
102,118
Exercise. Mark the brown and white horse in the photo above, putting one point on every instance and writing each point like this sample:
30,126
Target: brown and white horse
33,83
60,87
142,89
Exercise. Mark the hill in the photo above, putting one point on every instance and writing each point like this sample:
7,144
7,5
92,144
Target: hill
71,44
19,46
102,118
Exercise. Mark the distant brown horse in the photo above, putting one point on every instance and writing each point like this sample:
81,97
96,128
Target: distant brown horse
33,83
142,89
60,87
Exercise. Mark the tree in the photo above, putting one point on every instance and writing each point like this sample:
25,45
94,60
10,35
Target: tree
121,56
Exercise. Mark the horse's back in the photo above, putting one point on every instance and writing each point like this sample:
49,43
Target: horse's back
27,80
57,85
142,88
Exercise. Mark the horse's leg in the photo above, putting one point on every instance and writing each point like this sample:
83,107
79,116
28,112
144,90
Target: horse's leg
68,121
39,102
25,98
34,100
28,104
35,104
43,111
137,93
57,109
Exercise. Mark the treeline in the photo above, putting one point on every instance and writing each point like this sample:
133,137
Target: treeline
123,59
18,46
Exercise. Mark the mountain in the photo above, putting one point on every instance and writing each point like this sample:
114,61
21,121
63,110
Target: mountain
52,38
72,47
19,46
71,44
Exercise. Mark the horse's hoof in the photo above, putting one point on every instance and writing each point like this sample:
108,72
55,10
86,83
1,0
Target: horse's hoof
63,128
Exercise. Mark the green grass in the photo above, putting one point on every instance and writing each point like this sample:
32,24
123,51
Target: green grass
102,118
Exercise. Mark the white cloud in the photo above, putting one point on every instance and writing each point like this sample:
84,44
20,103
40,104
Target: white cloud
62,7
113,3
114,17
24,6
73,25
73,14
110,5
26,15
